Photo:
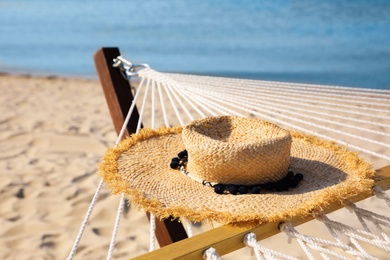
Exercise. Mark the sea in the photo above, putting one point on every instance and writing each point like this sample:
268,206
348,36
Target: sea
330,42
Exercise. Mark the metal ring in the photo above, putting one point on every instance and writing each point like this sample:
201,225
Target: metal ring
127,68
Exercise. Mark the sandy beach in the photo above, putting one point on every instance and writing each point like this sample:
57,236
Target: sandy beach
53,132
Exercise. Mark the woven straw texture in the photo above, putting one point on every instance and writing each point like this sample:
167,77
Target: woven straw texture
139,168
236,150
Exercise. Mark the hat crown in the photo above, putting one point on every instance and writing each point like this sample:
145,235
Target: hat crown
235,150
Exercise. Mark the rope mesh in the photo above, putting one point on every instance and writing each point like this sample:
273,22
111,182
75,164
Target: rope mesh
344,115
343,112
349,242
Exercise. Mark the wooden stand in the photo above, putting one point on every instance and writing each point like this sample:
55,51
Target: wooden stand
119,97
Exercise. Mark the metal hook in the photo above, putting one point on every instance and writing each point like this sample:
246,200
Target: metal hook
127,68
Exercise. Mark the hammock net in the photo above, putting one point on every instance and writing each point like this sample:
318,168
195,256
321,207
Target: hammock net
349,116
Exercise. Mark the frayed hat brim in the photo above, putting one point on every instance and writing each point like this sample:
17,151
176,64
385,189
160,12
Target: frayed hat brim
139,168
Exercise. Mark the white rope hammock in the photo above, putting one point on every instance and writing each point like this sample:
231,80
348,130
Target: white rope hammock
345,114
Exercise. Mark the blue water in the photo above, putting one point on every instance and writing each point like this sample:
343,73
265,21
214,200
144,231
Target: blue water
343,42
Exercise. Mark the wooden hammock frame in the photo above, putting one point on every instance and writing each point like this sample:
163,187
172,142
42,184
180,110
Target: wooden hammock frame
170,233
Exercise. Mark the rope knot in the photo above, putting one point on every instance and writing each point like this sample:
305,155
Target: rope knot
250,239
211,254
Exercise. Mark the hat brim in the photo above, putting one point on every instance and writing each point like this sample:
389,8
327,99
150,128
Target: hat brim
139,168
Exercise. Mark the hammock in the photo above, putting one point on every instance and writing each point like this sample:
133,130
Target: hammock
344,115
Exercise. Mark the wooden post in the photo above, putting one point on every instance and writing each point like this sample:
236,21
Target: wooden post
118,96
116,89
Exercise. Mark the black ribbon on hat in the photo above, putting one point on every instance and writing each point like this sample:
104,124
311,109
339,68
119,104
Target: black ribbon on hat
291,180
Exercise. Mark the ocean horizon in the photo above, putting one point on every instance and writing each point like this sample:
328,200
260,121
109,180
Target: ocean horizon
344,43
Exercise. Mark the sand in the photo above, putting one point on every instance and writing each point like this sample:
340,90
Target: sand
53,131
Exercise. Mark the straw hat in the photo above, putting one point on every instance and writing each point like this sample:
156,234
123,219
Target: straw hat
233,170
